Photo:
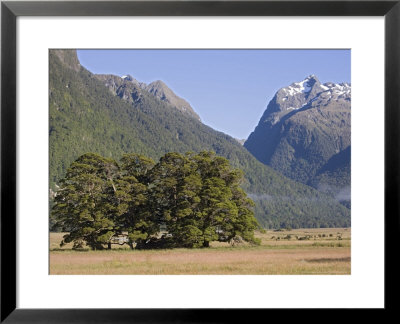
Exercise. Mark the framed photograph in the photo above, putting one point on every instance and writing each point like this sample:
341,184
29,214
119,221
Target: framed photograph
187,161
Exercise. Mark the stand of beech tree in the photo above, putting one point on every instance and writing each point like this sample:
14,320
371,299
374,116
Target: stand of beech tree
195,196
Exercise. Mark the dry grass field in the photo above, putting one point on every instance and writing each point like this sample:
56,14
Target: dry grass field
300,251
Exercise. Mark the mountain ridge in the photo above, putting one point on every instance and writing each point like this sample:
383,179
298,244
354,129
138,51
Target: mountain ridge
126,85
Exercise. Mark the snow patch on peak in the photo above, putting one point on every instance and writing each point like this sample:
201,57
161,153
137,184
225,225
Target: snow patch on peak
128,78
338,89
304,86
324,87
308,93
328,91
300,87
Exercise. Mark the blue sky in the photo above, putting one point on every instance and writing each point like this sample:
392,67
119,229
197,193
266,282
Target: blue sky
229,89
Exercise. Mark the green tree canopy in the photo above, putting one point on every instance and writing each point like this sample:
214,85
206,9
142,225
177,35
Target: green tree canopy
83,204
196,196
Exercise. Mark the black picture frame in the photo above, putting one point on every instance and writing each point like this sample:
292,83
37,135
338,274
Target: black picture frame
10,10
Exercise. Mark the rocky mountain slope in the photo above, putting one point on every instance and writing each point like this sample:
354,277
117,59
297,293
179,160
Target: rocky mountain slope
305,133
128,88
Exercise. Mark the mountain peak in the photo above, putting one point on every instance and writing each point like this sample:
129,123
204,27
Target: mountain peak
127,77
305,134
68,57
304,86
311,76
304,93
158,83
163,92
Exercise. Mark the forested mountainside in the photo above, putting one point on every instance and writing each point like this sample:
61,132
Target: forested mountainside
85,116
305,134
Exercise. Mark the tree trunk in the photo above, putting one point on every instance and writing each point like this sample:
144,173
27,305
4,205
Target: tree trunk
130,245
206,244
109,245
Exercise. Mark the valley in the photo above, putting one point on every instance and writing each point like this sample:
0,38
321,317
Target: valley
111,115
139,185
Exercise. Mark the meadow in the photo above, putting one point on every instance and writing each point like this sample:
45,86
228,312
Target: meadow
320,251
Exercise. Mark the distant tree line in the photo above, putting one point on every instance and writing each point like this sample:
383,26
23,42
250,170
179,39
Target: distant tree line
195,197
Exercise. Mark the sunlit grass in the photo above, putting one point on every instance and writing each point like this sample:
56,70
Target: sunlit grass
326,251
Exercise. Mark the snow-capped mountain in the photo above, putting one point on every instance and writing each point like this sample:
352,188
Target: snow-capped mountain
307,93
305,133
